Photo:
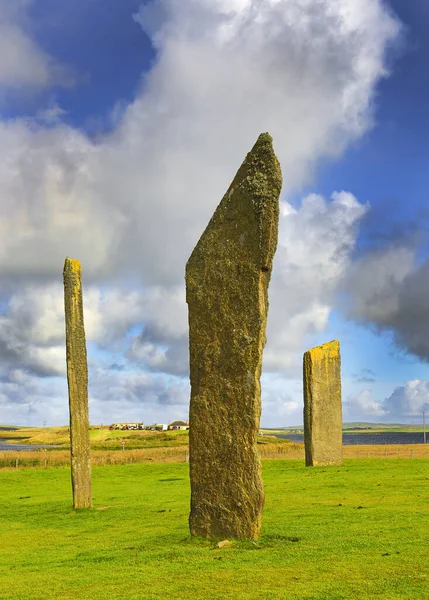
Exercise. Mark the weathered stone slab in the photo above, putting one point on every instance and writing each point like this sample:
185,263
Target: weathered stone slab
322,405
77,378
227,279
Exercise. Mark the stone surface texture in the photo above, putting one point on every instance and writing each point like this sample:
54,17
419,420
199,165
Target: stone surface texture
227,279
322,405
77,378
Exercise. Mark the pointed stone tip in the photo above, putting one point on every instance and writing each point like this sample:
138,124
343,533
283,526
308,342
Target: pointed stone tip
261,170
265,138
263,143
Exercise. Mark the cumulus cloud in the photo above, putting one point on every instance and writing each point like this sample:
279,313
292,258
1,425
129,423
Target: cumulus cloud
32,332
315,244
132,204
406,403
365,376
281,400
25,399
144,389
388,289
363,405
305,71
23,63
32,352
113,396
409,400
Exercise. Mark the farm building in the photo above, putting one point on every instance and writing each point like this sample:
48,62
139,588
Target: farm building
179,425
125,426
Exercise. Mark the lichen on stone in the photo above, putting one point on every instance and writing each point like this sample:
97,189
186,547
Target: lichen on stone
77,379
322,405
227,278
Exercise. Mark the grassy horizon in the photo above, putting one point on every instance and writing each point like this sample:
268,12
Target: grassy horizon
167,446
101,437
357,531
104,439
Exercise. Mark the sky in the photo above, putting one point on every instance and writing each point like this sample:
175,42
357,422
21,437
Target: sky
122,125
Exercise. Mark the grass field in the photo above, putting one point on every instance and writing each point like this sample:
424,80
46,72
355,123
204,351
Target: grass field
280,449
354,532
102,438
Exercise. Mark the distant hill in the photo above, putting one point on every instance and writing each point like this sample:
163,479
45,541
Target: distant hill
356,426
9,427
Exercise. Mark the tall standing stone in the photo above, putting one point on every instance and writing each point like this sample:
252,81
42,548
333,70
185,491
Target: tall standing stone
227,277
322,405
77,377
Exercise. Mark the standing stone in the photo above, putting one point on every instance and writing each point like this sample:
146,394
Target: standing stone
227,279
77,377
322,406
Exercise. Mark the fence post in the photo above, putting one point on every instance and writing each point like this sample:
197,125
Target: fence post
16,463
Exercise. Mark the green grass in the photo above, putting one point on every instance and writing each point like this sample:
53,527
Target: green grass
102,438
111,440
355,532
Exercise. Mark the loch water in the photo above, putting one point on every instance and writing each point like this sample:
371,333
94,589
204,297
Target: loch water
369,438
14,447
348,440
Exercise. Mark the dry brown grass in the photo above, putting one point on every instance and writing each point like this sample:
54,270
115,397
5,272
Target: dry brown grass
45,435
61,458
387,451
367,451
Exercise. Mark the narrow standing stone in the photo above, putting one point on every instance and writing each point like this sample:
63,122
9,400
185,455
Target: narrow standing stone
227,279
77,378
322,405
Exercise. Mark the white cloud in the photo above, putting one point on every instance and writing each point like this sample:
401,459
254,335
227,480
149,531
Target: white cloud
132,205
152,185
114,395
409,400
282,401
30,400
364,406
405,404
23,63
32,332
315,244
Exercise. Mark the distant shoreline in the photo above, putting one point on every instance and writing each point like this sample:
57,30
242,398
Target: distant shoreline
370,438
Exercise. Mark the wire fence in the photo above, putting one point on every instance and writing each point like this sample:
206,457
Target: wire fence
296,451
43,459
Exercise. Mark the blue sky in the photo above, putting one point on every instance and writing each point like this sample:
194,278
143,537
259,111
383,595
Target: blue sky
107,50
122,124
